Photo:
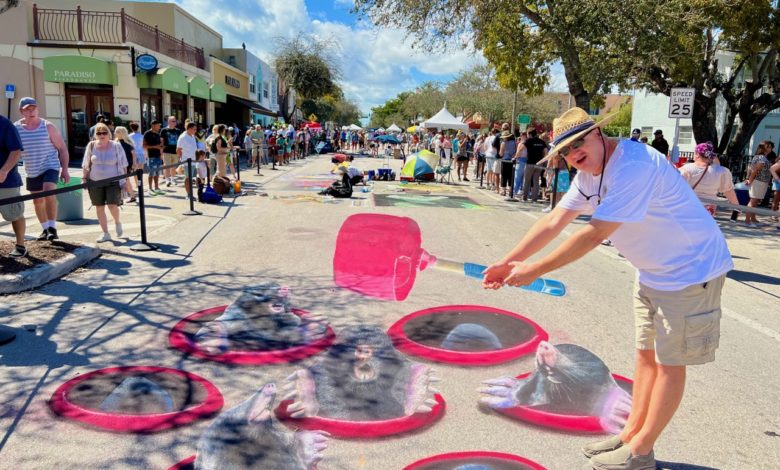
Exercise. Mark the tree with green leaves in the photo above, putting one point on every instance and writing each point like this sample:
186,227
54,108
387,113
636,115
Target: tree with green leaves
307,65
520,38
726,50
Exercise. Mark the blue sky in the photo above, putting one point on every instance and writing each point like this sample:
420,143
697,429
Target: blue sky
366,79
376,63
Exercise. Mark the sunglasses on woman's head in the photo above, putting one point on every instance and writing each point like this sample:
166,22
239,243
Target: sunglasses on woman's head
101,133
564,152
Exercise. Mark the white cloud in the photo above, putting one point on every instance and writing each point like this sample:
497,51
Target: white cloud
376,63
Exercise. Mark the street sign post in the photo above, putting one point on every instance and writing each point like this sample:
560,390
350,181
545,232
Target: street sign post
10,90
523,120
680,107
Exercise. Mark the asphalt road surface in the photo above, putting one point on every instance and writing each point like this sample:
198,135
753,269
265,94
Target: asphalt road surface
119,309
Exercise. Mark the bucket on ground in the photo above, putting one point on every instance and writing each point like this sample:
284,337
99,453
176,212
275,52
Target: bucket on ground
70,205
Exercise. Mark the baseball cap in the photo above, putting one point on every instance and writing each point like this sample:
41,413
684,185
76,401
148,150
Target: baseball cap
27,101
636,131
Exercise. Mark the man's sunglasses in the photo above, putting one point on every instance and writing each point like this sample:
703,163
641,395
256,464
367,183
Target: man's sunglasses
564,152
101,133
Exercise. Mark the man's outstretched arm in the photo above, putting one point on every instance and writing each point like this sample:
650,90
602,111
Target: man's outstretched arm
574,248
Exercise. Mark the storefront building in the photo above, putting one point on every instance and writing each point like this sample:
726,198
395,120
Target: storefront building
75,81
260,76
235,110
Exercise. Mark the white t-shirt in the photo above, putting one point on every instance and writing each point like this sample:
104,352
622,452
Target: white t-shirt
666,233
717,180
490,151
188,146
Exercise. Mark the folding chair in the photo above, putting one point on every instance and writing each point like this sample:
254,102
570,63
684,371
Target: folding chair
445,174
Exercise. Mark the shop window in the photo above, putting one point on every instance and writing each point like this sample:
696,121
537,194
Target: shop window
647,132
686,135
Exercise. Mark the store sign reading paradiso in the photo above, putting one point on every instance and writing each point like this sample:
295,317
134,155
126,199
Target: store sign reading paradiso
75,76
79,69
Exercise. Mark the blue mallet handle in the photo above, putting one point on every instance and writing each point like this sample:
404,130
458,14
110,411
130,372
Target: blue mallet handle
541,285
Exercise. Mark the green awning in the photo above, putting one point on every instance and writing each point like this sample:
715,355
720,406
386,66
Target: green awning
218,93
199,88
79,69
167,78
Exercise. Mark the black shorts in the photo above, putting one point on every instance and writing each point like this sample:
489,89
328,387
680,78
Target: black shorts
463,158
36,182
480,158
110,194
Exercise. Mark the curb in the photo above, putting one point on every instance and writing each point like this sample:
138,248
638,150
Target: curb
47,272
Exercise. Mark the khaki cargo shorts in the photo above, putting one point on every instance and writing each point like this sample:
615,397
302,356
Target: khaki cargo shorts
11,212
683,327
170,158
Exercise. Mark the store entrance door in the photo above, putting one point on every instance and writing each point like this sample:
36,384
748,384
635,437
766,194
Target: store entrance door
83,106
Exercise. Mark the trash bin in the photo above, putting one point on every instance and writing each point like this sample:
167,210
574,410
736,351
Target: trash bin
70,205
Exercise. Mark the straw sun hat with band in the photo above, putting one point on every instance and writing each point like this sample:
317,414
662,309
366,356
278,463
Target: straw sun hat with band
572,125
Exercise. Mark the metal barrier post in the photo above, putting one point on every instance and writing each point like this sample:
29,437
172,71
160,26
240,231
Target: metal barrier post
144,245
190,196
555,187
512,197
238,166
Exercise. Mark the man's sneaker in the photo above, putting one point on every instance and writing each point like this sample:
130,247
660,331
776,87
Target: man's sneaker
151,193
52,234
106,237
168,183
44,235
20,251
159,191
119,230
607,445
623,459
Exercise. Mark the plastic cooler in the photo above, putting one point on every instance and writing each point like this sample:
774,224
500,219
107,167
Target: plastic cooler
70,205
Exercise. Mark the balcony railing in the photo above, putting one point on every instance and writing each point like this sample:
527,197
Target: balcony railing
110,27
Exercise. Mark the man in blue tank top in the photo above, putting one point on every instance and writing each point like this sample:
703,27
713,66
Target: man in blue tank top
45,161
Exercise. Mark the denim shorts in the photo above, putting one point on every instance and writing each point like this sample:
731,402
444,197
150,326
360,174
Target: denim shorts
775,185
36,182
154,166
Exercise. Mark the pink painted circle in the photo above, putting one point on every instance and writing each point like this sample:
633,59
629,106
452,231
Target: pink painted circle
186,464
77,399
181,334
562,422
421,333
363,429
495,460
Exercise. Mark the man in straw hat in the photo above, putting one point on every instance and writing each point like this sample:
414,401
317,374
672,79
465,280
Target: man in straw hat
636,199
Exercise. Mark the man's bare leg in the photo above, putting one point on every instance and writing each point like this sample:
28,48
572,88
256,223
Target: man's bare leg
644,380
665,397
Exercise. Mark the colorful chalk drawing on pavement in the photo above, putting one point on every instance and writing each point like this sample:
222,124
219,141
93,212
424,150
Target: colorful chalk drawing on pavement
475,460
427,188
571,389
136,399
426,200
468,335
259,327
248,436
362,387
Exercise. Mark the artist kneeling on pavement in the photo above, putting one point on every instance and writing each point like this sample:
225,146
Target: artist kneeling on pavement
637,200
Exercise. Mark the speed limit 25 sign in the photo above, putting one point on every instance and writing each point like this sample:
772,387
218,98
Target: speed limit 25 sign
681,103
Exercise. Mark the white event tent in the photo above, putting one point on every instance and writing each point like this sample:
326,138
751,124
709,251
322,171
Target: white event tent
444,120
393,128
